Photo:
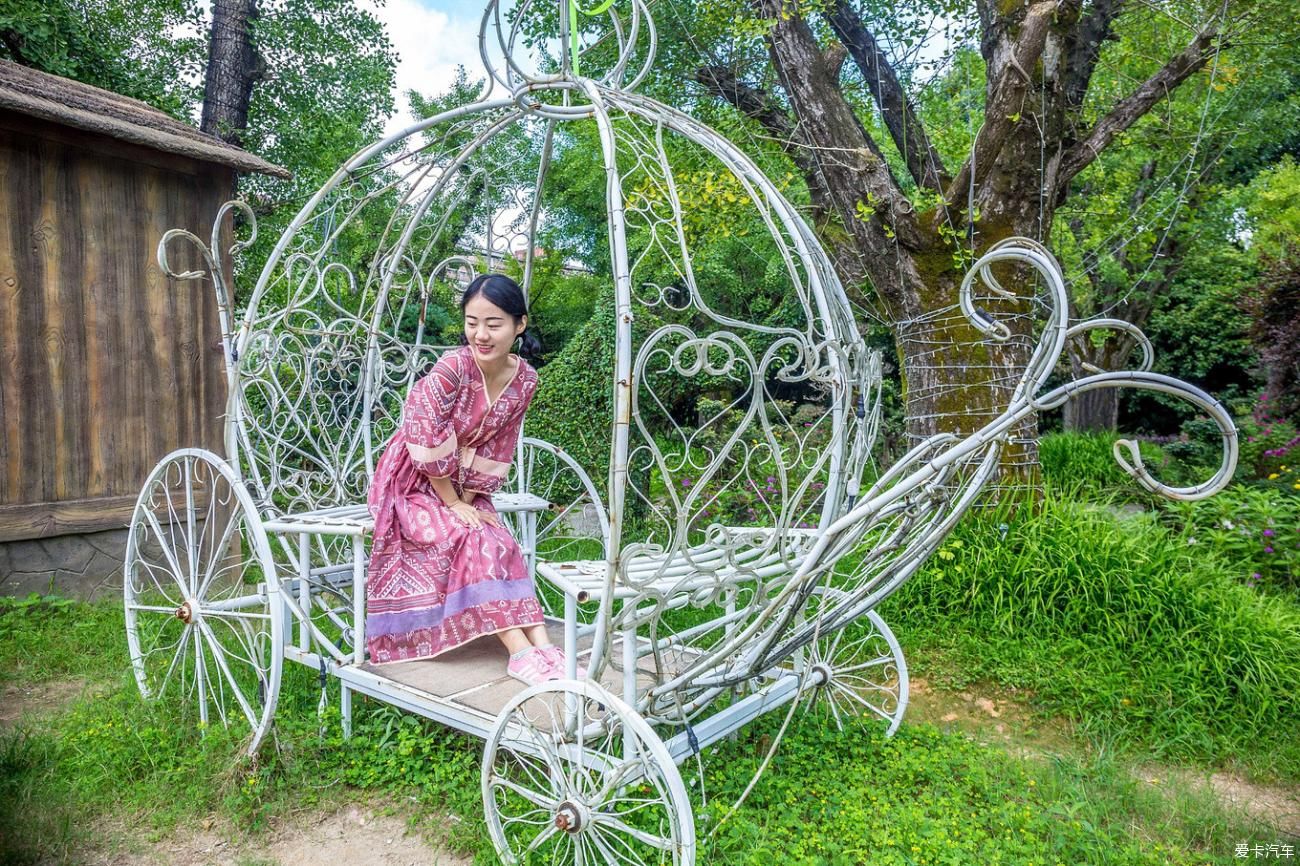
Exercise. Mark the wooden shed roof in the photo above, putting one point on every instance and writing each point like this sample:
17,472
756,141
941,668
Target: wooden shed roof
71,103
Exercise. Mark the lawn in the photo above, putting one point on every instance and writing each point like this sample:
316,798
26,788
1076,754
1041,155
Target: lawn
1130,652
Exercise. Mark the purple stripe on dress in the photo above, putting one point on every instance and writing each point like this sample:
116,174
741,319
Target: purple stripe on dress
475,594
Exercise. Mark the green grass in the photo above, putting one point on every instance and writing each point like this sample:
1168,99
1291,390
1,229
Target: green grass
828,798
1076,463
1144,641
77,640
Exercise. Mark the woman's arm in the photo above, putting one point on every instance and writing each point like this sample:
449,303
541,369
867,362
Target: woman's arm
462,506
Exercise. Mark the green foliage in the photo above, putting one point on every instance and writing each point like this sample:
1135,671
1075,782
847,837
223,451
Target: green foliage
1201,335
574,404
1273,205
126,46
326,95
1275,332
852,797
1084,463
560,304
78,638
1256,530
1165,646
1265,443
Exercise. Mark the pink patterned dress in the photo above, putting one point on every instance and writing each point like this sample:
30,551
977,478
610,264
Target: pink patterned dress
434,582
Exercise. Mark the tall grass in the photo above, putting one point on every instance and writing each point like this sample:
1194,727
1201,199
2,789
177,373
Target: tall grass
1084,463
1117,622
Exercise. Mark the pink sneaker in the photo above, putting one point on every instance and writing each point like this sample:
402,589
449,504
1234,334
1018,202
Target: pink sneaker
533,668
558,661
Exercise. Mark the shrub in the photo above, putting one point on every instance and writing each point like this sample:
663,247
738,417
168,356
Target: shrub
1074,462
1267,442
574,404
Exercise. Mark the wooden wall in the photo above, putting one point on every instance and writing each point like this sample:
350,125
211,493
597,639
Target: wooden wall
104,365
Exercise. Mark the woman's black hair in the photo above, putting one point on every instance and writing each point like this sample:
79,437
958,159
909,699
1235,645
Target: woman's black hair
506,294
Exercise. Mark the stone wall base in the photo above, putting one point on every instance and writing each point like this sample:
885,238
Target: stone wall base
85,566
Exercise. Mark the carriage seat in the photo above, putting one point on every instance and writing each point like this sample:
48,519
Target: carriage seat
700,569
356,519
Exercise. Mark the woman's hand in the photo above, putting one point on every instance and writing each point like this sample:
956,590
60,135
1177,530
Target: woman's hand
472,517
467,514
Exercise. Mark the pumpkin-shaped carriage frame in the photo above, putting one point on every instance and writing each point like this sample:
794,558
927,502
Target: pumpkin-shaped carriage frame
691,625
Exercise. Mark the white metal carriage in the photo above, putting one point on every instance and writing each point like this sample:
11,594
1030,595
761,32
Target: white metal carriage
691,626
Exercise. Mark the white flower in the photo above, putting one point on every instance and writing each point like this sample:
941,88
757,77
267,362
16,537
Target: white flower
1191,541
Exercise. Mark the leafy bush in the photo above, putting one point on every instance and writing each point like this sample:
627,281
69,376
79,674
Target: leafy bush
1267,442
574,404
1074,462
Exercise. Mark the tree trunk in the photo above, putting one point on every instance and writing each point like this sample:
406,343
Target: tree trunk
1093,412
956,379
233,68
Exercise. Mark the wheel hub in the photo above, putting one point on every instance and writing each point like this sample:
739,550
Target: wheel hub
821,674
572,817
185,613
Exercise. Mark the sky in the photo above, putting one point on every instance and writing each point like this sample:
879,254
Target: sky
431,37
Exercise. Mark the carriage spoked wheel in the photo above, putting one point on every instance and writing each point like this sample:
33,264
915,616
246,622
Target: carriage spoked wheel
203,609
858,669
571,774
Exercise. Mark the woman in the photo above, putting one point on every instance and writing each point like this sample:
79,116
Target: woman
443,569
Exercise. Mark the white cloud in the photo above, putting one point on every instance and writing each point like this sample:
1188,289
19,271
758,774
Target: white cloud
430,43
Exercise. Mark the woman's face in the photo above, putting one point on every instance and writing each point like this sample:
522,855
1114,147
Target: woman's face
490,330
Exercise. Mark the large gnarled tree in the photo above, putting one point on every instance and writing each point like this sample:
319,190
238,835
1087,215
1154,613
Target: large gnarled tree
904,220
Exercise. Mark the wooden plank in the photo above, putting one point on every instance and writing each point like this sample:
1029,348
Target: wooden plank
154,356
48,519
36,385
100,340
11,401
65,339
45,519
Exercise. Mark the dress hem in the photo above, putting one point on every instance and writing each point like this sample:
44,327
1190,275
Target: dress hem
446,650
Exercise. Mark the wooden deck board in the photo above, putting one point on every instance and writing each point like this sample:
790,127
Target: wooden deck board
474,675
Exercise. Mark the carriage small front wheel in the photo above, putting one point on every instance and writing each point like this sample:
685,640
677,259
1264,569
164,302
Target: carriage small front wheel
571,774
203,609
857,669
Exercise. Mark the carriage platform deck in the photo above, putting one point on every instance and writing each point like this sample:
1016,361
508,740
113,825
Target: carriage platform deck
468,686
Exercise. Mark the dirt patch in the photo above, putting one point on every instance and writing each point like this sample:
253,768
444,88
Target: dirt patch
356,835
39,699
1277,807
1000,717
1004,718
1273,806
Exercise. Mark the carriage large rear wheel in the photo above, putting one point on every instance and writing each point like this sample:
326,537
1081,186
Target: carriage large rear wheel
203,610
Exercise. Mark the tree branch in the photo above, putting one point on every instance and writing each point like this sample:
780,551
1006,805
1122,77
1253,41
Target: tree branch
759,106
868,201
1133,107
923,162
1085,49
1003,109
